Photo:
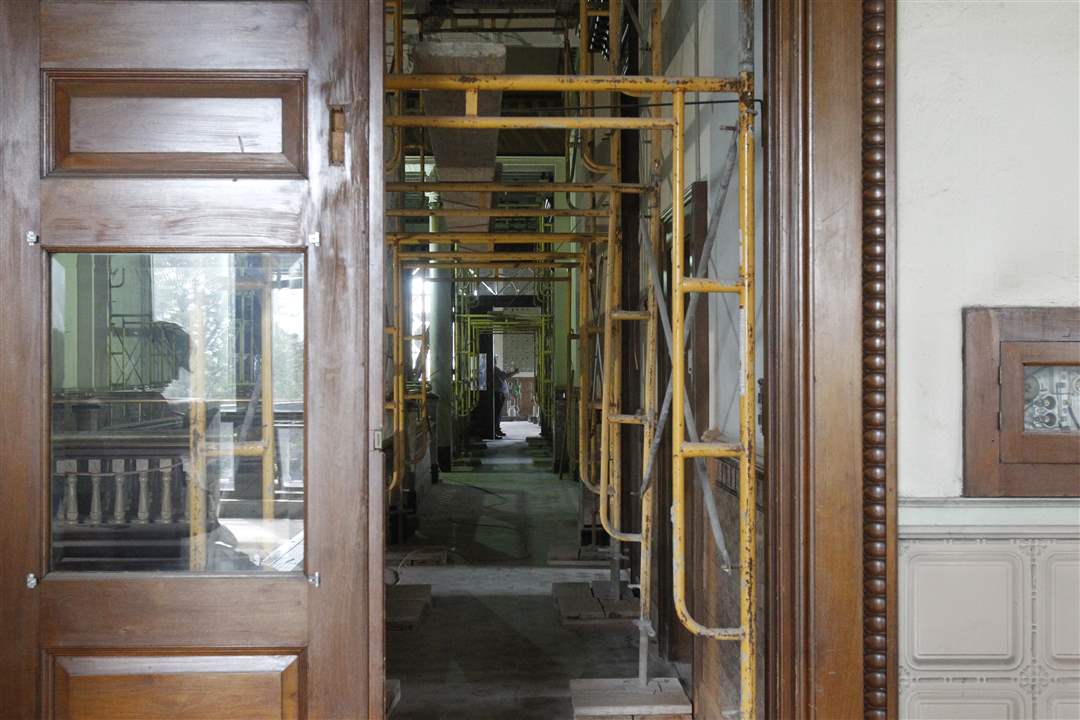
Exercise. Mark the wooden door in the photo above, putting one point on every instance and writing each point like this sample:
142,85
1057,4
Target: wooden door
191,521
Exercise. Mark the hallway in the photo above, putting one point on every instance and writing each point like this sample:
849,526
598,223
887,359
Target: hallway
492,645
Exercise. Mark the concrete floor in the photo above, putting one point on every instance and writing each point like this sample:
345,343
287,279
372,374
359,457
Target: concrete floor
492,646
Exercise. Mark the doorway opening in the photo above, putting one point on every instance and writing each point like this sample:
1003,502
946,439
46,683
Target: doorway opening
572,369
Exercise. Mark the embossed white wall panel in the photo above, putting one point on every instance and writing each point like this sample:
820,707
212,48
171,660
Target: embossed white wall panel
989,622
1059,573
964,608
1060,704
965,704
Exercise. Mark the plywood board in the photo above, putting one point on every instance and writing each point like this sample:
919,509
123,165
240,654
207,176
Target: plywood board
626,697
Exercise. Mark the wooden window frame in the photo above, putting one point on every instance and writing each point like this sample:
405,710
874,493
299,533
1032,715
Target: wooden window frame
998,455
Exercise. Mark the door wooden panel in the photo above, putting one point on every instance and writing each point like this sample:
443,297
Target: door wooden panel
164,687
262,611
156,35
170,214
174,124
304,642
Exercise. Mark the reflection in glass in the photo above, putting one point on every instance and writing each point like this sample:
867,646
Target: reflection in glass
177,412
1052,398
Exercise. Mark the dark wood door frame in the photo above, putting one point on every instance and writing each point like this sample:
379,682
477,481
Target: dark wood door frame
831,432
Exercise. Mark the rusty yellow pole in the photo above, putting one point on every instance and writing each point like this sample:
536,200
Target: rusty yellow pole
196,495
523,122
610,361
496,187
586,101
399,53
466,257
266,377
442,238
613,12
678,386
491,212
584,82
747,411
487,265
585,371
398,386
655,244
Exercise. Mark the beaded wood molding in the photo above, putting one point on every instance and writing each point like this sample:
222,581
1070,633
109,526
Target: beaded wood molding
876,590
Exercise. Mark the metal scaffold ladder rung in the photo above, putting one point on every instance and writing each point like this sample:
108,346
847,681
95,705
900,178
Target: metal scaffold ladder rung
710,450
630,315
707,285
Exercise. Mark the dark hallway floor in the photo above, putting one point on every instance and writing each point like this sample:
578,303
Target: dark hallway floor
492,645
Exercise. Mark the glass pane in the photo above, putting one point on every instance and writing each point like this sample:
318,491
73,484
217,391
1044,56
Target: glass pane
178,412
1052,398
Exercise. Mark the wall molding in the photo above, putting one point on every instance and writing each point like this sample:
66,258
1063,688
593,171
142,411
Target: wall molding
879,414
989,515
988,532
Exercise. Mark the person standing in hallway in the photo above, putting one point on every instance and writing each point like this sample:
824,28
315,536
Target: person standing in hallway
502,391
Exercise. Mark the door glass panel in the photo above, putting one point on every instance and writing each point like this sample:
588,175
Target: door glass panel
177,412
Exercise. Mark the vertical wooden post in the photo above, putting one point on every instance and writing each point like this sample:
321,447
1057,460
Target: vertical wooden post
196,466
266,391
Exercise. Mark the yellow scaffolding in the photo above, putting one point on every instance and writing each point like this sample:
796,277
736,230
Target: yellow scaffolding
591,255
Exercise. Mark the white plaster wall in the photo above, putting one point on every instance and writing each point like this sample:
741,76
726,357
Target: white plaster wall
987,192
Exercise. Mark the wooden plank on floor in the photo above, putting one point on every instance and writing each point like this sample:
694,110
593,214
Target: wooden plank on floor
422,555
406,605
575,601
571,555
627,698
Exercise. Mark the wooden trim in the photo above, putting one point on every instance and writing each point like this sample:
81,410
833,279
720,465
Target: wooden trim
376,269
126,215
155,685
831,519
61,86
100,34
22,360
786,635
879,360
344,538
114,613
